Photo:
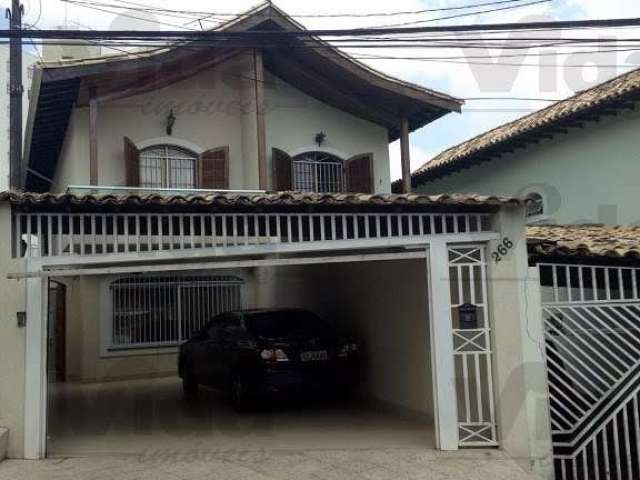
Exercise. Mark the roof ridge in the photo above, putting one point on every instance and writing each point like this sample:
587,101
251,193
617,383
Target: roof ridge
538,113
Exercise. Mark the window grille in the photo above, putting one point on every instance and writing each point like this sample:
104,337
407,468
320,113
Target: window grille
535,205
318,172
166,166
165,311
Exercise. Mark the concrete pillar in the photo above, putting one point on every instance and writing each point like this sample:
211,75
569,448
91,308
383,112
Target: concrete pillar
520,373
445,404
35,385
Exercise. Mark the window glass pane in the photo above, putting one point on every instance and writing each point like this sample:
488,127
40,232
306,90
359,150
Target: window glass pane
166,166
318,172
151,171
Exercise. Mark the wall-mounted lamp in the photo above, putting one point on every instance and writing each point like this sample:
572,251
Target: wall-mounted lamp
320,138
171,119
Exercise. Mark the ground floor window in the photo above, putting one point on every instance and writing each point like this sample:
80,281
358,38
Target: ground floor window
166,310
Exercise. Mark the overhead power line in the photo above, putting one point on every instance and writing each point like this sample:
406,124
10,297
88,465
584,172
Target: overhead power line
136,6
353,32
466,14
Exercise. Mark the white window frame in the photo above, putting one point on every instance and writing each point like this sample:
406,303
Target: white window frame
309,159
107,346
171,153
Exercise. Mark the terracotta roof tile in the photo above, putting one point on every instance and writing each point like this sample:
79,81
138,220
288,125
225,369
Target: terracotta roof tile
253,199
586,101
584,241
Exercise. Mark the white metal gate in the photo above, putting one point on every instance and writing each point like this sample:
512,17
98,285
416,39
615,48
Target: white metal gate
472,347
592,336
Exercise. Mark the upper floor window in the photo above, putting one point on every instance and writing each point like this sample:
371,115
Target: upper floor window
535,206
167,166
318,172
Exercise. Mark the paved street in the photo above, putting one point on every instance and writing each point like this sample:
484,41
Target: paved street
374,464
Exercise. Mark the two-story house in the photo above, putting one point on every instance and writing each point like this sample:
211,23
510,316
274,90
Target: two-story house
165,186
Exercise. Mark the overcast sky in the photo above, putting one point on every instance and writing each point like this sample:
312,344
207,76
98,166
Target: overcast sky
523,77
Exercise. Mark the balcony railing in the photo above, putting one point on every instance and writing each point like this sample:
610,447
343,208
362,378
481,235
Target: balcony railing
59,234
325,177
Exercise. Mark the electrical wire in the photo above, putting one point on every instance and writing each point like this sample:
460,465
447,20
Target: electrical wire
168,12
461,15
39,16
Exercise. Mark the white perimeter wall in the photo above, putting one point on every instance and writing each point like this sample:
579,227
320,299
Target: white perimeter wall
12,345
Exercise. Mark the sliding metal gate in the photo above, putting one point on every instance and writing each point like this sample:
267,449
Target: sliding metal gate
592,336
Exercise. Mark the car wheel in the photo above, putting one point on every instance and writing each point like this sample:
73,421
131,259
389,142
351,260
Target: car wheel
240,393
189,384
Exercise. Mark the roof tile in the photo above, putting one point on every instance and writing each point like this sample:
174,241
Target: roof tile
584,241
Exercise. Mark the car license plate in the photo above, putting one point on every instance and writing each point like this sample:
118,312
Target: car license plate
316,356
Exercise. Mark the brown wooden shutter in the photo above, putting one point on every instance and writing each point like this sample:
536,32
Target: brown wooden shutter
213,169
282,170
360,173
131,163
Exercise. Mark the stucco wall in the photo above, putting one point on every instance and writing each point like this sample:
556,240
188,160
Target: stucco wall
87,312
294,119
12,344
587,175
216,108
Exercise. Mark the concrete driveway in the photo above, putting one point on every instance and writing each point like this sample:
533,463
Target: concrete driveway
367,464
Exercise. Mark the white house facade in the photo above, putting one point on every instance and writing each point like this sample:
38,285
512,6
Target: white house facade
158,196
578,157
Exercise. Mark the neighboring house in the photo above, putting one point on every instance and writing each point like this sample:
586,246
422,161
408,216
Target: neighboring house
577,159
28,59
165,186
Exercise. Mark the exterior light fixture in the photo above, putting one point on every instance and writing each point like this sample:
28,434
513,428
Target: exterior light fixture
320,138
171,119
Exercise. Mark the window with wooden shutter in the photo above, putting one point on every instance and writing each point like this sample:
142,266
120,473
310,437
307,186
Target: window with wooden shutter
131,163
282,170
360,173
214,169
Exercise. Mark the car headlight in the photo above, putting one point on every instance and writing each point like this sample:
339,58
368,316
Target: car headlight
274,355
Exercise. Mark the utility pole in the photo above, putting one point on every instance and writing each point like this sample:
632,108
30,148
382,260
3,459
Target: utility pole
15,98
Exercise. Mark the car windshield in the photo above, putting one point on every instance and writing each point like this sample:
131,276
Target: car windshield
287,324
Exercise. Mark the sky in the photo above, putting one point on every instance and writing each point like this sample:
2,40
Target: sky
526,75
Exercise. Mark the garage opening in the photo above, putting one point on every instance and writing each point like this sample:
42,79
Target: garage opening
121,393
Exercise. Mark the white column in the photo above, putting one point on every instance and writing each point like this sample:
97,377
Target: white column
442,362
35,385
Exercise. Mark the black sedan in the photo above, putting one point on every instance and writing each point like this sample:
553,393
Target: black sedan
254,353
